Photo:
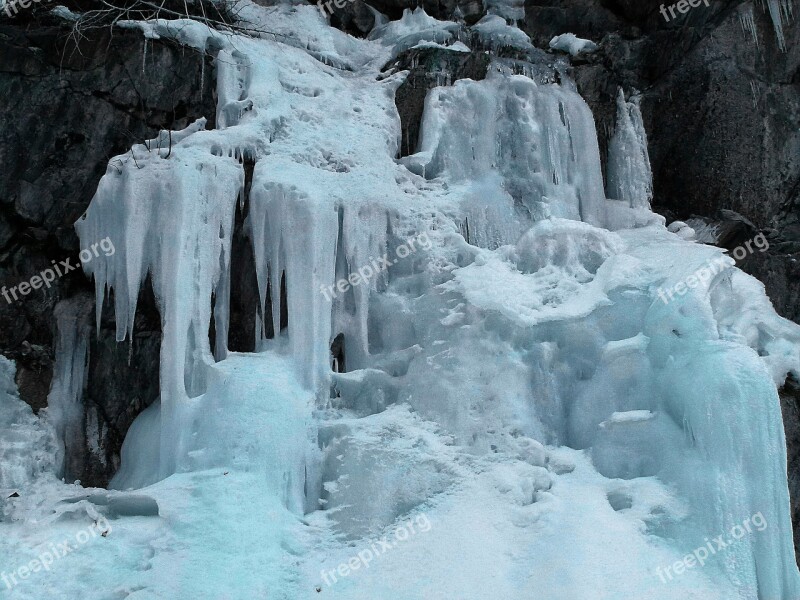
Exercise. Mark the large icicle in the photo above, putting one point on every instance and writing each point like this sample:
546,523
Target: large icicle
168,213
295,237
65,401
780,11
628,172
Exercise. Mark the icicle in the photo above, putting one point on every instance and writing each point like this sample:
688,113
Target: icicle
780,11
629,177
747,21
65,406
293,235
172,219
202,74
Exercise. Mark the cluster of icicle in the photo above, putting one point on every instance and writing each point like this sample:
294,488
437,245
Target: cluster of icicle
781,13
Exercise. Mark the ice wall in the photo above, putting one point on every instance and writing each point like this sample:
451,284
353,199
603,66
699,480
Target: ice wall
681,389
541,139
628,173
168,206
504,335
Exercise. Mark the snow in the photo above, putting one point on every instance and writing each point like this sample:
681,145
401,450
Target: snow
630,416
572,44
415,27
517,383
513,10
455,47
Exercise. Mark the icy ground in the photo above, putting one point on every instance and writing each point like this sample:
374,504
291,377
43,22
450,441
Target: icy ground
515,389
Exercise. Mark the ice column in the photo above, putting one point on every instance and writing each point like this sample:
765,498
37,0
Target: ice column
65,401
295,236
628,172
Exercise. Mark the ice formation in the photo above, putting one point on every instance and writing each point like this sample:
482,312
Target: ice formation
628,172
572,44
29,445
747,21
780,11
532,147
519,380
65,401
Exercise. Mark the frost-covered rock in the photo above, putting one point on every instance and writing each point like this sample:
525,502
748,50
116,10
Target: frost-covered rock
572,44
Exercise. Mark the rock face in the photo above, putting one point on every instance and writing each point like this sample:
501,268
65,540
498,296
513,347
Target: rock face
790,408
69,110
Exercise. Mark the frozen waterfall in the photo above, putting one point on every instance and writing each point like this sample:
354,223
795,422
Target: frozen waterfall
519,380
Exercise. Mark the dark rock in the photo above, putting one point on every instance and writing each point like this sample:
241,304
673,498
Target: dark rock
354,16
790,408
